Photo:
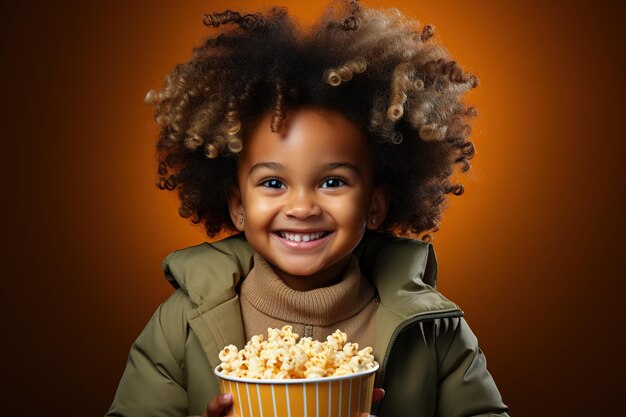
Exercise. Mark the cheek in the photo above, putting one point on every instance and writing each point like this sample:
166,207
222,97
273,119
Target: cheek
352,211
259,210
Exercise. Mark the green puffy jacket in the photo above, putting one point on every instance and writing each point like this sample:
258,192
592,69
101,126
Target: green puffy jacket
430,362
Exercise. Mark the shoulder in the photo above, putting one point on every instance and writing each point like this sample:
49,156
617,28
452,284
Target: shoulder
208,268
384,254
404,272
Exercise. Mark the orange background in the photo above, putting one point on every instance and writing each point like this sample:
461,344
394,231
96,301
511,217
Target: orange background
532,252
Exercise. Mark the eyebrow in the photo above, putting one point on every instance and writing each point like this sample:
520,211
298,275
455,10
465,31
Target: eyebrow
346,165
276,166
270,165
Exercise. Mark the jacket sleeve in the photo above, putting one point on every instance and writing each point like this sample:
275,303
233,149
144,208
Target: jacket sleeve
465,386
153,382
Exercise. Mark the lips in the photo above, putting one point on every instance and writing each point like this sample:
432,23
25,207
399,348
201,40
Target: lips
301,237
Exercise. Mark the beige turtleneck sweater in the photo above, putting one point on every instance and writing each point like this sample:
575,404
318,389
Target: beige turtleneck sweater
349,305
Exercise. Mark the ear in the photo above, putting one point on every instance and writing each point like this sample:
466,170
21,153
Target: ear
235,206
378,208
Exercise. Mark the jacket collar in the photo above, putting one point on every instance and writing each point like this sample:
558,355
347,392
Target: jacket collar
403,271
209,273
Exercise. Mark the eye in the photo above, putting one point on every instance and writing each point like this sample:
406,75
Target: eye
273,183
333,182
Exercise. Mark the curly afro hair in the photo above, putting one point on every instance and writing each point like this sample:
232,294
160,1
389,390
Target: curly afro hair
378,68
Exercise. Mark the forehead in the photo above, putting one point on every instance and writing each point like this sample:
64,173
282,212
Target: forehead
308,136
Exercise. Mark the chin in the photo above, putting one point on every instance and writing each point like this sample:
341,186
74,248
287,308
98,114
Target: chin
300,272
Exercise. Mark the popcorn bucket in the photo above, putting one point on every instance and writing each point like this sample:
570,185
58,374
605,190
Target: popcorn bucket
333,396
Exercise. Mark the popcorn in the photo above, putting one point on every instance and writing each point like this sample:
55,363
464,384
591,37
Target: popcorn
283,356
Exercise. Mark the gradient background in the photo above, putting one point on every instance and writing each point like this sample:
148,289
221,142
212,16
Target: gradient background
533,252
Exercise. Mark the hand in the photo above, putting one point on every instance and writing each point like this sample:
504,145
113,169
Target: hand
377,395
218,406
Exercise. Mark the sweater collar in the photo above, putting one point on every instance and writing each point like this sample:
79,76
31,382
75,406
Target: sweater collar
324,306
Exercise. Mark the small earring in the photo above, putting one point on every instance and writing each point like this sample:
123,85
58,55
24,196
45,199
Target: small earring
373,220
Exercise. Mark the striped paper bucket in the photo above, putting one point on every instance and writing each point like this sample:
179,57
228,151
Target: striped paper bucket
334,396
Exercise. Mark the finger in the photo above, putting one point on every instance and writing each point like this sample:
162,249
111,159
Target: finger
378,395
218,405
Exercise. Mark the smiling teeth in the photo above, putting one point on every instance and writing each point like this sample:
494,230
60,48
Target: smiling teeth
301,237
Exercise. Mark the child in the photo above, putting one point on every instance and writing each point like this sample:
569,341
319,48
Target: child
318,147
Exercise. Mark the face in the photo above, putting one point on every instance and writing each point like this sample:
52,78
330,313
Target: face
306,195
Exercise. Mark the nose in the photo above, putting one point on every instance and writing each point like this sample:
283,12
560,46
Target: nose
302,204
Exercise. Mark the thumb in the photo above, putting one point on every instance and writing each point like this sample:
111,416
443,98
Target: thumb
377,395
218,405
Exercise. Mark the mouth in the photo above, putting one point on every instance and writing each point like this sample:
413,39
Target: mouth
301,237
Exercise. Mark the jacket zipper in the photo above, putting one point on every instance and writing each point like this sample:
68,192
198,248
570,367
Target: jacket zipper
401,327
